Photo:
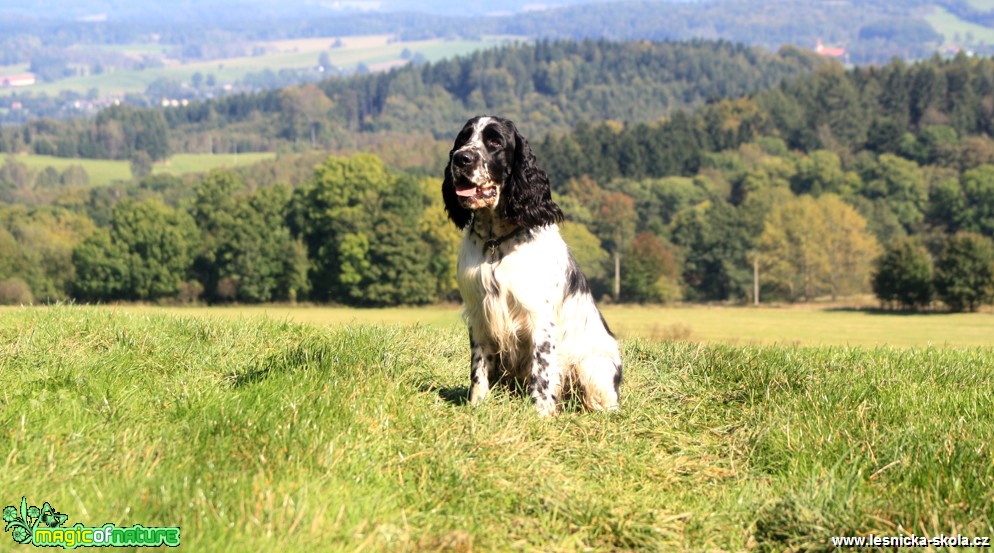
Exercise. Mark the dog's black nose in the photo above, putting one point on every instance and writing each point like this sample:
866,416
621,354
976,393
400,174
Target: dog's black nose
463,158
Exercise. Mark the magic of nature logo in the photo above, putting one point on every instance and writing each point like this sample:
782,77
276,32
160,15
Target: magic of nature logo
43,527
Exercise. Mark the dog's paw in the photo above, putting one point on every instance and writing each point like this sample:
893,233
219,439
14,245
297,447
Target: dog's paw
545,407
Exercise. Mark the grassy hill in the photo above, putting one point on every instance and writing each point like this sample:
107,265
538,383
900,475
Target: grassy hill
260,434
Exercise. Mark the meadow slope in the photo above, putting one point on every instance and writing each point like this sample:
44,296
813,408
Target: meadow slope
263,435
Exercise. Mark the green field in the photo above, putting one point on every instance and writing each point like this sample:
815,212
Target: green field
297,54
260,435
103,172
181,164
802,325
950,26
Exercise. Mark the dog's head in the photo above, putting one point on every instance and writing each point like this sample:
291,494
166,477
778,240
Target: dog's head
492,167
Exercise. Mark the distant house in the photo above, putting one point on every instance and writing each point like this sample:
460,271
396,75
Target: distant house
821,50
11,81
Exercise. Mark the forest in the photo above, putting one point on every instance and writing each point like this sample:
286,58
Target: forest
827,183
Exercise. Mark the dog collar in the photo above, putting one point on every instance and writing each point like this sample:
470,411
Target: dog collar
493,244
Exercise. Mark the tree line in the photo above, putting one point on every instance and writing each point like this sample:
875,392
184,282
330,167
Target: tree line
359,233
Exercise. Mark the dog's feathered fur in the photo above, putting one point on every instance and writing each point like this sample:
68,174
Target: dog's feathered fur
532,319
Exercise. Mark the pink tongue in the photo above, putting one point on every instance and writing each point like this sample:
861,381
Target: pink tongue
466,191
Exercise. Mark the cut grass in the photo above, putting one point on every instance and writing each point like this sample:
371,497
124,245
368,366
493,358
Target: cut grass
263,435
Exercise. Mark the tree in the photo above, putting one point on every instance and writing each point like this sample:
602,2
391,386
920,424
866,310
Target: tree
849,245
443,240
339,201
790,252
36,246
75,176
363,230
964,272
246,251
902,184
389,263
715,241
651,274
144,256
123,130
214,213
818,173
324,61
812,247
903,275
615,226
101,268
978,193
590,256
141,165
14,291
308,106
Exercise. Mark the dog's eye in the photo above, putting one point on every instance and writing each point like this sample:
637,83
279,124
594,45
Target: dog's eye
494,143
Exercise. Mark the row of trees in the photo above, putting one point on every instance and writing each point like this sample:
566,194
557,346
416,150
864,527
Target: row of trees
354,233
962,276
117,132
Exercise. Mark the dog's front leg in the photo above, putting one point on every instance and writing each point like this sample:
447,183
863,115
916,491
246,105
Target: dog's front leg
546,375
481,369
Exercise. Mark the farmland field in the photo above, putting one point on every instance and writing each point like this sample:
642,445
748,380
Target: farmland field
181,164
103,172
293,54
955,30
270,435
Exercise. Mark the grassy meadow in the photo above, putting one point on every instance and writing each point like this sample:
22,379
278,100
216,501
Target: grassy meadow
801,325
103,172
261,433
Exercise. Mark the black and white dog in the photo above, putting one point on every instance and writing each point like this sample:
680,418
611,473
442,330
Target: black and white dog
532,319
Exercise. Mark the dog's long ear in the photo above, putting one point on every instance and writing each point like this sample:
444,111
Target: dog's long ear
527,198
459,215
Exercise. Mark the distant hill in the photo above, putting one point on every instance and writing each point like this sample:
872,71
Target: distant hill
548,86
178,40
870,31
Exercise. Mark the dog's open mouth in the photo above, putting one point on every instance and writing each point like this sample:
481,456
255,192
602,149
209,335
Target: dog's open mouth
467,189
